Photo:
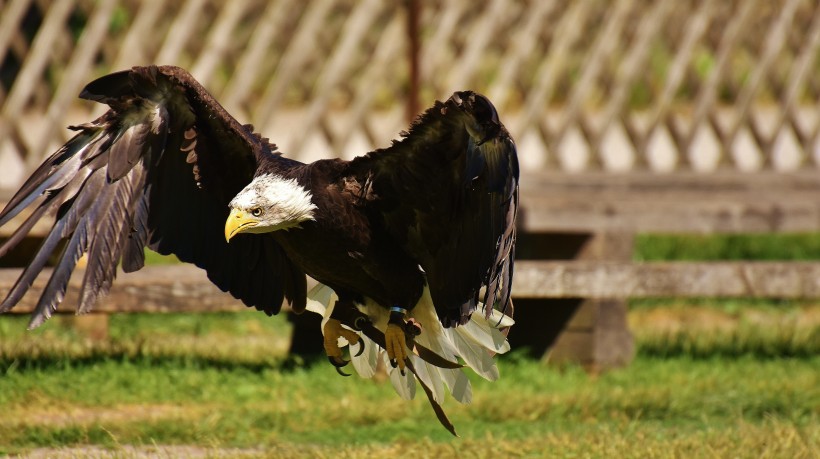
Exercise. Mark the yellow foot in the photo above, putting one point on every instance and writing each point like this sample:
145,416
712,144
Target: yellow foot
334,330
396,345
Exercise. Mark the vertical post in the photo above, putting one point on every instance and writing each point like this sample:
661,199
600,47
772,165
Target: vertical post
413,13
592,332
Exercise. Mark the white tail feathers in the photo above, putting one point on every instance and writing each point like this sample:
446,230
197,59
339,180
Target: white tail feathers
404,384
475,343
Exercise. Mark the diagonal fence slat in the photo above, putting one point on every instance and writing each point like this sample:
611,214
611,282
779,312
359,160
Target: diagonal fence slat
521,46
180,32
388,47
706,98
293,59
339,63
662,109
133,50
486,29
567,33
218,42
582,84
774,43
801,69
30,73
251,64
73,78
629,69
604,44
12,14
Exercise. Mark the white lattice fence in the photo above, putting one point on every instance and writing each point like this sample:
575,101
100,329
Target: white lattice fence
320,78
627,84
582,84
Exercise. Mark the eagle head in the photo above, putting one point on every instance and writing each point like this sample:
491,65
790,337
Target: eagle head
269,203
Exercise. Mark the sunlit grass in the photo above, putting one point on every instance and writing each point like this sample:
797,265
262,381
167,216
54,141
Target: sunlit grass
221,338
712,378
182,381
694,404
658,247
710,329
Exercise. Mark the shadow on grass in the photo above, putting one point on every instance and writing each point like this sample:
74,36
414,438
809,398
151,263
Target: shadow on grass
95,356
658,347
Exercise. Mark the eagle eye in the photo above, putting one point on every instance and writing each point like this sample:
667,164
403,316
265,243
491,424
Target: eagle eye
256,211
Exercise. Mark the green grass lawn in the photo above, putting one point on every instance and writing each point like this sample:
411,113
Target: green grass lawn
711,378
221,382
664,408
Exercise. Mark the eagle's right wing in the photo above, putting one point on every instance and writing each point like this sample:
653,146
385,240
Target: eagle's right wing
448,191
157,170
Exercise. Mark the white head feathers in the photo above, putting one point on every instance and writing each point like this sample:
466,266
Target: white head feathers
280,202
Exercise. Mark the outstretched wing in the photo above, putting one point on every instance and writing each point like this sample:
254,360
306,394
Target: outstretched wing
448,191
158,170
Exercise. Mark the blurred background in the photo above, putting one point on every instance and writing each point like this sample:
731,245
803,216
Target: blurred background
581,84
668,248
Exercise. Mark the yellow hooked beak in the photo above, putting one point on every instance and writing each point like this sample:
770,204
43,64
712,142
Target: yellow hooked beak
238,222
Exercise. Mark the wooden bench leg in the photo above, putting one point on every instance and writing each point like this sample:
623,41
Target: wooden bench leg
593,333
306,340
596,336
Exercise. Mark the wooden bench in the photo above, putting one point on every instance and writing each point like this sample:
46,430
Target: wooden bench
589,220
574,269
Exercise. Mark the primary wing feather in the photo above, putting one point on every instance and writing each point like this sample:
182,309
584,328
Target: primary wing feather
157,170
448,191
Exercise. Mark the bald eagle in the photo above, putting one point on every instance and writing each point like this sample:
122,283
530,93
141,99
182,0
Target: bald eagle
421,232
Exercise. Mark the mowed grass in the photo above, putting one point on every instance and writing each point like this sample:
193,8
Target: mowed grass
711,378
235,393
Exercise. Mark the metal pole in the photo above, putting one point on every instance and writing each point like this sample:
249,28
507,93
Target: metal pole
413,13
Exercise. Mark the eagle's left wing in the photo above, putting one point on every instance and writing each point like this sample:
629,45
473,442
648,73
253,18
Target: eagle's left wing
448,191
158,169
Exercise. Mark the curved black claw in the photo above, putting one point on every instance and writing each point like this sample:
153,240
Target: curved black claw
361,348
395,363
339,370
338,363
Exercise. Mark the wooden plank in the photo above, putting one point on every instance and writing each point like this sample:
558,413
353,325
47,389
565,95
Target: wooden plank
616,279
175,288
185,288
674,203
660,184
685,215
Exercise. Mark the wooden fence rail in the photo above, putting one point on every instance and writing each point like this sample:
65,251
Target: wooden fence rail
185,288
582,84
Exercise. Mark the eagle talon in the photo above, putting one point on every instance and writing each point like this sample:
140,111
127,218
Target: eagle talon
361,348
338,363
395,339
333,330
342,373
